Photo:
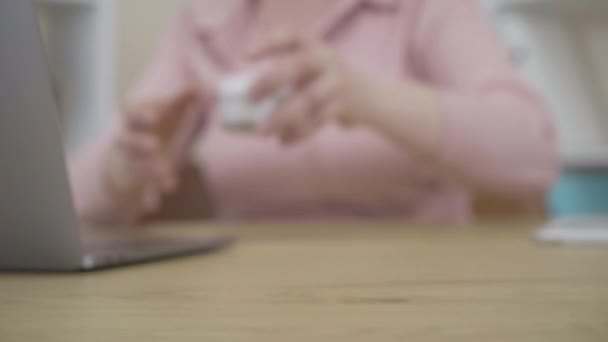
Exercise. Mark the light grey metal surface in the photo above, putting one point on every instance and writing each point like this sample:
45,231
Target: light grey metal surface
38,228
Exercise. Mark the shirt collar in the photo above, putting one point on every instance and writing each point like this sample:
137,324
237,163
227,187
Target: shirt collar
345,9
223,29
241,8
382,4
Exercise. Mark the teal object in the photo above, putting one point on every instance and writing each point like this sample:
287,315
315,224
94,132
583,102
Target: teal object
582,192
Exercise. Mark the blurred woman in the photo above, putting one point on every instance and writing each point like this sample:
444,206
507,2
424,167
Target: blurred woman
400,109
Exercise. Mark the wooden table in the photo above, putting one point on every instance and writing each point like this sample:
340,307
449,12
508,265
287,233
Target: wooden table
376,282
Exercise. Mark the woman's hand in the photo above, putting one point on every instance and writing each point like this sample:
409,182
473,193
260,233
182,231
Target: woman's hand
141,162
326,88
323,86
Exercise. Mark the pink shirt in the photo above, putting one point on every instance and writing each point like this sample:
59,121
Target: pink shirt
498,135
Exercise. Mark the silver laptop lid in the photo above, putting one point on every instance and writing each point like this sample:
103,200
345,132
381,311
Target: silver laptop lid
38,228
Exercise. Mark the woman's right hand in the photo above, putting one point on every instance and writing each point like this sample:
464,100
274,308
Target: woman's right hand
141,164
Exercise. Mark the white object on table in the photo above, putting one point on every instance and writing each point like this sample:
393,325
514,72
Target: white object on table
575,230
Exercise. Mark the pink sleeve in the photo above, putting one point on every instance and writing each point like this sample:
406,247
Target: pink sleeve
498,134
95,202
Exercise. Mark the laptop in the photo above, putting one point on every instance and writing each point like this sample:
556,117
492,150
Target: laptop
39,230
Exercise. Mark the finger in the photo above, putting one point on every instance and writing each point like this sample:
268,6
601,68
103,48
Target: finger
334,110
154,163
140,121
133,173
302,132
152,172
138,143
293,72
151,201
292,135
318,94
161,98
311,99
179,101
173,113
166,175
292,123
161,114
281,41
286,115
144,158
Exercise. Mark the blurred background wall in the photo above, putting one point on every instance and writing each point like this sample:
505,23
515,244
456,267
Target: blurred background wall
140,24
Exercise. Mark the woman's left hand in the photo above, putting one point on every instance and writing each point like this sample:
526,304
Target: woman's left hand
324,87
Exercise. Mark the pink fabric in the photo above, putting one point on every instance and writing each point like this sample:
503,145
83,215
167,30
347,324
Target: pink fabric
498,135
